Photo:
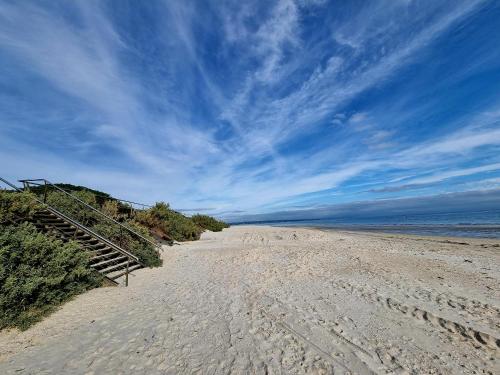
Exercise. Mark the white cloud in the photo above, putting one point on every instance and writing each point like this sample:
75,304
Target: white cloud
455,173
181,158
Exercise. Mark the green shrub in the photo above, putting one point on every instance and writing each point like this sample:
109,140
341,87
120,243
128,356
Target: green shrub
105,227
210,223
40,191
16,206
162,220
38,273
72,208
146,252
111,209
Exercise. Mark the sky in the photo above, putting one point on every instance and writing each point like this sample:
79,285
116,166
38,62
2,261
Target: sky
238,109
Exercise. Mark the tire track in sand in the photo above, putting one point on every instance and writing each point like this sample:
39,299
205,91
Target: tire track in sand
476,337
273,321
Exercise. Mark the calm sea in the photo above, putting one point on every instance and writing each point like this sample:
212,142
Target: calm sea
484,224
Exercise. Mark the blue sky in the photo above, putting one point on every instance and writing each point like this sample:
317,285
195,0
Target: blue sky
238,108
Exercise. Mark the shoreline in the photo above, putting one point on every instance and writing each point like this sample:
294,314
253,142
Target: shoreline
466,231
296,300
438,238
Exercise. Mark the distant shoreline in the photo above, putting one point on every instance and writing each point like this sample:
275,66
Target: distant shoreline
480,230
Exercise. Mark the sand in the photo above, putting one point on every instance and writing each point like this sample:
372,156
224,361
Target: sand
264,300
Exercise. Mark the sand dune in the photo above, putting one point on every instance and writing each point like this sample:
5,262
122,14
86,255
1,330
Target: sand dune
263,300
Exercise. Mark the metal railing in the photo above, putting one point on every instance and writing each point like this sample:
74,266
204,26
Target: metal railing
81,227
9,184
47,185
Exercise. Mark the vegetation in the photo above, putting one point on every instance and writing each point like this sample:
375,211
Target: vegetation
16,206
100,196
209,223
160,221
112,209
38,273
77,211
146,252
169,224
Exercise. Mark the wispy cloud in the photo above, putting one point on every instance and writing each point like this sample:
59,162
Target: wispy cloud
430,180
237,106
468,201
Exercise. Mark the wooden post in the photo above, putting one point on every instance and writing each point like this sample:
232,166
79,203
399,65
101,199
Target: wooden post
45,193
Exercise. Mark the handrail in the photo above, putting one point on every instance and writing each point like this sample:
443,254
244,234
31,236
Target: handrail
77,224
89,206
91,232
86,230
93,192
8,183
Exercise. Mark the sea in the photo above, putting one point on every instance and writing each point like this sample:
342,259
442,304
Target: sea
481,224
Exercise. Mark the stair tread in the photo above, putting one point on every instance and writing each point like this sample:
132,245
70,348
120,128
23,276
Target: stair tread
107,255
93,250
84,238
96,246
122,273
107,261
102,254
88,239
116,267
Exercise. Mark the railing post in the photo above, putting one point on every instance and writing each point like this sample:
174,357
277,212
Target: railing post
126,274
121,237
45,192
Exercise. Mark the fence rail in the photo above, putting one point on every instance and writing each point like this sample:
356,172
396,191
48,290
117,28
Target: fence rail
80,226
47,185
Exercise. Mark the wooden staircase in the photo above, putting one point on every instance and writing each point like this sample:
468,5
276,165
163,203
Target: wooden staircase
106,258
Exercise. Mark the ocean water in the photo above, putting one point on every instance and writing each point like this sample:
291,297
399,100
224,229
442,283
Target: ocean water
484,224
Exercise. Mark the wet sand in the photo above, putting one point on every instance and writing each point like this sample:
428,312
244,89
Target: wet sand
257,300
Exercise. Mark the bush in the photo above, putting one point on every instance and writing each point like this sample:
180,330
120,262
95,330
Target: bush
105,227
111,209
38,273
210,223
100,196
72,208
16,206
146,252
165,222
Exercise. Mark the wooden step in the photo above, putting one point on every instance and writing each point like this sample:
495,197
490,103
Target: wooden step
104,256
67,230
58,223
108,261
93,246
44,216
53,221
83,237
116,267
64,227
122,273
100,251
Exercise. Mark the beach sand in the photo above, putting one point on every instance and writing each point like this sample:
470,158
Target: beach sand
264,300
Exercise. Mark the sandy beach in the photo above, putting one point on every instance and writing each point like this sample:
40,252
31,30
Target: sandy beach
264,300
